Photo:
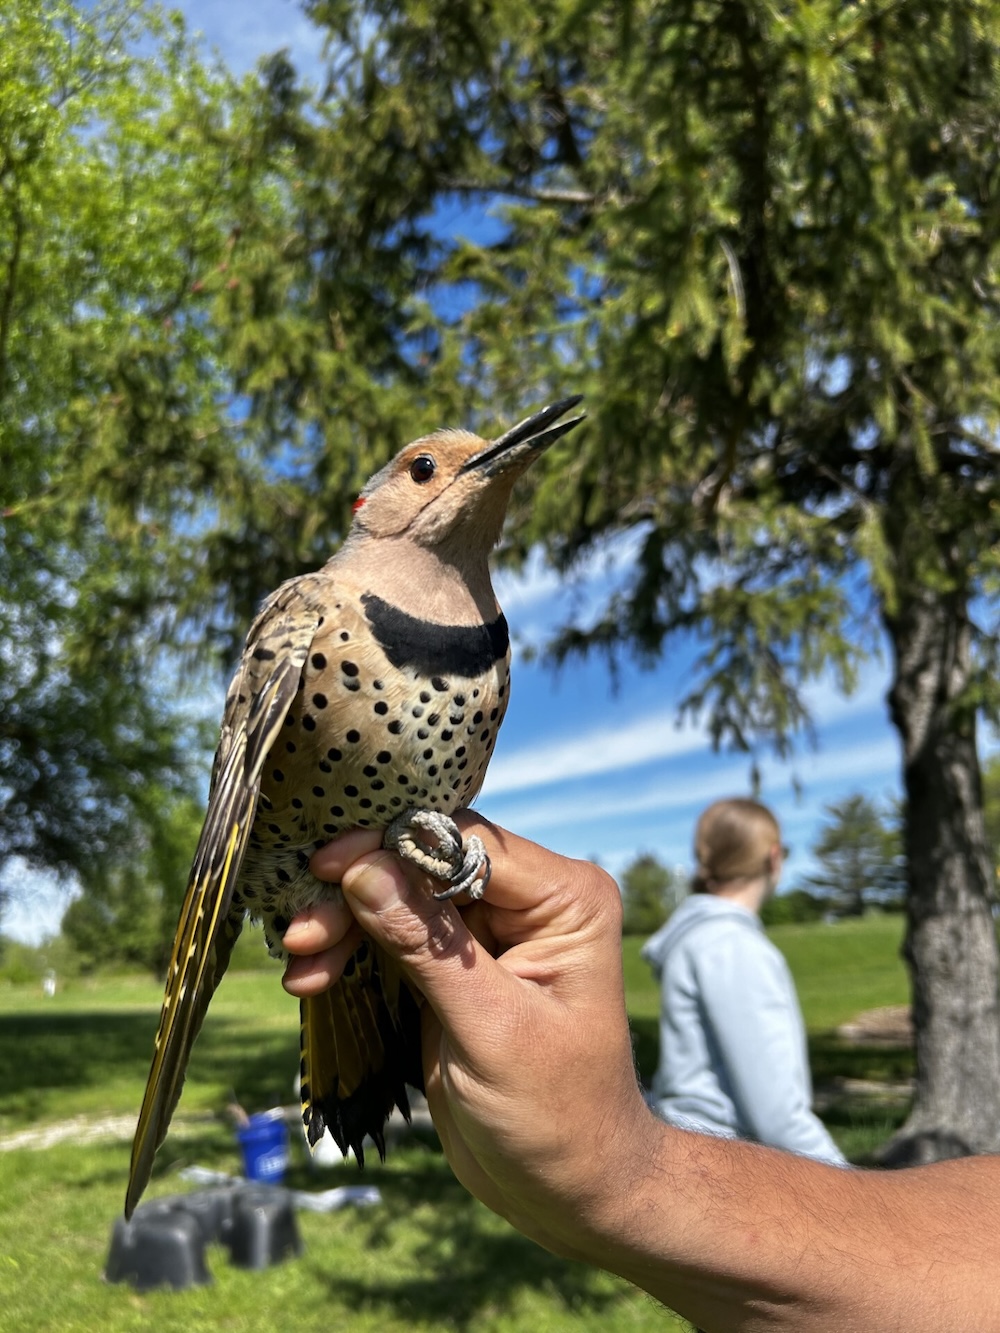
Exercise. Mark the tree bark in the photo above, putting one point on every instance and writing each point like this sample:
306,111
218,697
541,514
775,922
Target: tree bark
950,945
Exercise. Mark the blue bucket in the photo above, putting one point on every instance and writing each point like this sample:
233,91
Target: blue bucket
264,1145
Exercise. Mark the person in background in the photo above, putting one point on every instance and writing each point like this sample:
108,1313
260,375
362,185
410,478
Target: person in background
733,1058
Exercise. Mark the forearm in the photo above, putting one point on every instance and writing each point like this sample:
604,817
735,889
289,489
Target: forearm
737,1237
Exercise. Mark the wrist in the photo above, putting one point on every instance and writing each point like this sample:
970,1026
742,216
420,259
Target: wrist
602,1204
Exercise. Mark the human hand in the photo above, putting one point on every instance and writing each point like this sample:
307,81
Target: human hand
527,1056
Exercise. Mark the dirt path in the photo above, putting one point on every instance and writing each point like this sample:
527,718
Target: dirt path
91,1129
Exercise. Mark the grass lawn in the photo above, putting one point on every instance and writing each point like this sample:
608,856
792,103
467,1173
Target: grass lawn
428,1258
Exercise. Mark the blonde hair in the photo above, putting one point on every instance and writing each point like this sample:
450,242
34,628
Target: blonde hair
733,840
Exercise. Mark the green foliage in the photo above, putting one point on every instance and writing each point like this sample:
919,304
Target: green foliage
648,895
19,964
761,243
795,908
102,390
860,857
113,925
126,913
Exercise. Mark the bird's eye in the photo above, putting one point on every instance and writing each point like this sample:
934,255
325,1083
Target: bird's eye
423,468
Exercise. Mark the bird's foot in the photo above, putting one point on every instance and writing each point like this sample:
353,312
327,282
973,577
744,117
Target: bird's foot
465,867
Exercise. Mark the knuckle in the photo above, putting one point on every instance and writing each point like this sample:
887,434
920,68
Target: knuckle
593,891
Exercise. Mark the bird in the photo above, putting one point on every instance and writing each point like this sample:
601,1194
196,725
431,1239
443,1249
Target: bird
368,695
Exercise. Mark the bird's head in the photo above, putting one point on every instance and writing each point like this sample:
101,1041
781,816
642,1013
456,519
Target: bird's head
452,484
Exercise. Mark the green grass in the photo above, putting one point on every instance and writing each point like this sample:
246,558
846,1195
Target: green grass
842,969
429,1257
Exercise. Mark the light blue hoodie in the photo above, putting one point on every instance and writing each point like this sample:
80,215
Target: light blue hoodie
733,1058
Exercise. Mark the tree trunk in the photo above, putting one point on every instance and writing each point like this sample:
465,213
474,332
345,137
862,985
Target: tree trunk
950,945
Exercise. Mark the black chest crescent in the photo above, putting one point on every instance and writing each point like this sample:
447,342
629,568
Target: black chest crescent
430,649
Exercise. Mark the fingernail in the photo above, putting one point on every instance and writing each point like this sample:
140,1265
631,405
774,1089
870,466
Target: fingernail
296,929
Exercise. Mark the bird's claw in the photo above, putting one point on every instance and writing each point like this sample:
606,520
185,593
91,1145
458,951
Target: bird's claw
465,867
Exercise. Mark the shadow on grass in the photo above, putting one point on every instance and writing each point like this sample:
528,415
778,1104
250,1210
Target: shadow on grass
46,1059
471,1267
645,1046
829,1056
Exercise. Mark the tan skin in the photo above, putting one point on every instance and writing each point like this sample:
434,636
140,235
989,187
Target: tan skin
530,1081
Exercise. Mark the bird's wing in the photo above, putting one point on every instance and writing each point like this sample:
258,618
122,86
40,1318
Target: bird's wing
259,697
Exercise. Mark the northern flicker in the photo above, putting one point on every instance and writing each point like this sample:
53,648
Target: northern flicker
369,694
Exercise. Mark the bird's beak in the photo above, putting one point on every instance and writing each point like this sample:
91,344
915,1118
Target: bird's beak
525,440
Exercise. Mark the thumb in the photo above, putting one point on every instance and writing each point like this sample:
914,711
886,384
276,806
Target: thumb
428,938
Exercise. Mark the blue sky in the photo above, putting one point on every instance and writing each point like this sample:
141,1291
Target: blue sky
584,767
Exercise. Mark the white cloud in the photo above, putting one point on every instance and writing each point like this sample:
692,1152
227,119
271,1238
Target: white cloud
864,765
649,737
600,750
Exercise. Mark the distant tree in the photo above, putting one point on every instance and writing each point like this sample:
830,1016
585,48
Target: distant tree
796,907
648,895
125,915
113,924
860,858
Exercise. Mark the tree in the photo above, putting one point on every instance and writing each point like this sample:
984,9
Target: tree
762,242
796,907
126,912
170,347
101,220
860,859
648,895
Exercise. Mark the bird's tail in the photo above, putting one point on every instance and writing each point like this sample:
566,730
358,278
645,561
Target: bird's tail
360,1045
